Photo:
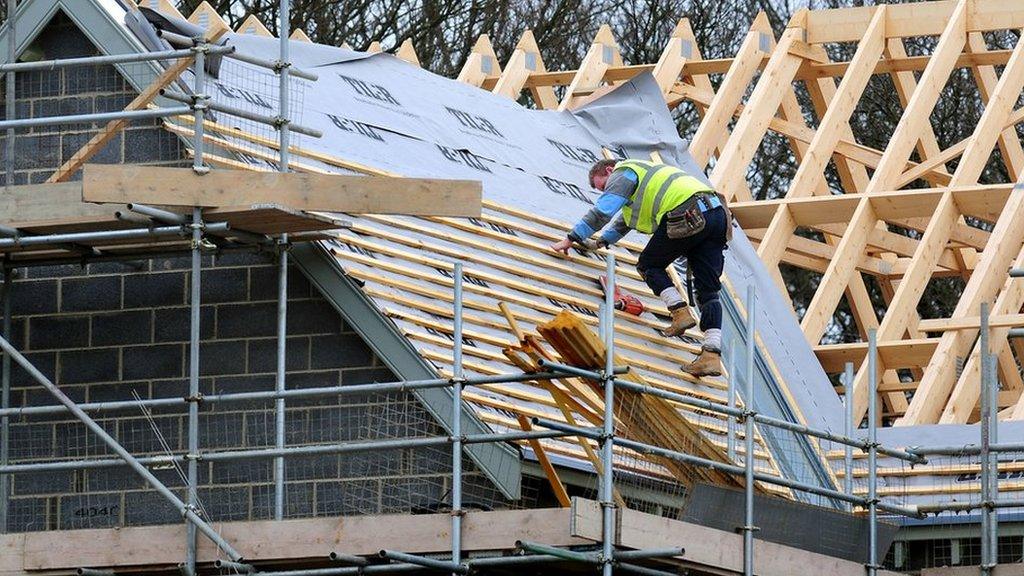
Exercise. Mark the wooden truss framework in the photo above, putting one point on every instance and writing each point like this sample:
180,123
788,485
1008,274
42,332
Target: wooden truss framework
874,225
900,239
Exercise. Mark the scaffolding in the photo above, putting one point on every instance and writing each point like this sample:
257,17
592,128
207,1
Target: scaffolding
156,224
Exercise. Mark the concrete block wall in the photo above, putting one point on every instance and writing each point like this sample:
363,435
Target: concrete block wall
78,90
112,331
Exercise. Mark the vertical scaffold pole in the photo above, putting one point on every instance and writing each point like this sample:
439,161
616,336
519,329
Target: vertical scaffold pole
199,105
993,435
748,439
730,382
872,566
457,381
848,431
5,400
608,446
192,496
194,396
282,280
986,442
12,51
279,383
282,70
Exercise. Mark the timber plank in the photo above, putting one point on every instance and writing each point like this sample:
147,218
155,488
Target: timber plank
302,191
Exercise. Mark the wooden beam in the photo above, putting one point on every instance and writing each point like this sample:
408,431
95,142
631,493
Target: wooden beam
902,311
670,64
47,202
913,19
971,322
831,127
525,60
906,83
898,206
482,63
837,277
714,128
989,129
545,464
603,53
252,25
407,52
208,19
893,353
849,149
123,184
299,35
986,79
920,106
967,390
990,274
165,6
771,88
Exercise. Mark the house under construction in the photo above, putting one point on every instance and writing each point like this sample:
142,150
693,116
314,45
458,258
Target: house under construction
277,307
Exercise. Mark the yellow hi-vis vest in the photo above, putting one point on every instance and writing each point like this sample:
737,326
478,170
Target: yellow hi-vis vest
660,189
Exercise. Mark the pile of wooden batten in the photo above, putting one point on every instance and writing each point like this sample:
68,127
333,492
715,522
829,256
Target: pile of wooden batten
641,417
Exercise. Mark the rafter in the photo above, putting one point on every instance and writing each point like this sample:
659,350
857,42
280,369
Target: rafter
603,53
713,130
754,121
482,63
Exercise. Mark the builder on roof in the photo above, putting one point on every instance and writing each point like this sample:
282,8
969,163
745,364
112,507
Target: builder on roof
685,217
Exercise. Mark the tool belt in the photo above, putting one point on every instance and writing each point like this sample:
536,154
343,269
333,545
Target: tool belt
687,219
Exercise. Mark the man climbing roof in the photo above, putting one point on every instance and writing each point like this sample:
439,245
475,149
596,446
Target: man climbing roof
684,217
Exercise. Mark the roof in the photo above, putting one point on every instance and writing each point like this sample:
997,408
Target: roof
382,115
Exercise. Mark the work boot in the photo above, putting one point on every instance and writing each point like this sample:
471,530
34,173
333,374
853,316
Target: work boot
682,320
707,363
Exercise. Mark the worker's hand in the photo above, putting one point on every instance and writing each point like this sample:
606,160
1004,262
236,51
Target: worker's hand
594,244
562,246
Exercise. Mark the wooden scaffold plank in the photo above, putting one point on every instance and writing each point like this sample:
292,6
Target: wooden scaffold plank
123,184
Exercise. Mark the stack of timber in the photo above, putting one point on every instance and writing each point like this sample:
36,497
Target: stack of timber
645,418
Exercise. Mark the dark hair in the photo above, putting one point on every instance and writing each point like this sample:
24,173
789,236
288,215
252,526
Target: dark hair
599,167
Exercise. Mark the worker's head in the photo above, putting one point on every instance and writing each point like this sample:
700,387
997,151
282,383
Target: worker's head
600,172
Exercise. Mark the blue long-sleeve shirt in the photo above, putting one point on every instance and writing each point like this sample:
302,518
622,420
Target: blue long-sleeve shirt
617,192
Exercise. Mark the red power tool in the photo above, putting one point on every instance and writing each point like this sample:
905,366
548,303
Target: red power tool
624,301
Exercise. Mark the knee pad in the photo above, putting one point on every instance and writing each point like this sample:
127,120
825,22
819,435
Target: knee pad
706,301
